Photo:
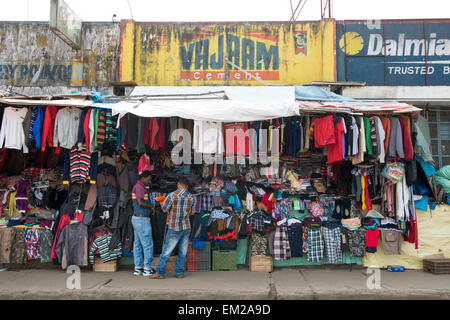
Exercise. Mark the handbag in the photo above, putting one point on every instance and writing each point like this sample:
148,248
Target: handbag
393,172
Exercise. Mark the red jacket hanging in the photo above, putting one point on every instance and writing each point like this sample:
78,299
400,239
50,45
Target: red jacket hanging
334,150
49,126
407,144
86,129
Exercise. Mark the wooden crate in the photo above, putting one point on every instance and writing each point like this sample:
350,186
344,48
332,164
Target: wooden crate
437,266
170,266
100,266
261,264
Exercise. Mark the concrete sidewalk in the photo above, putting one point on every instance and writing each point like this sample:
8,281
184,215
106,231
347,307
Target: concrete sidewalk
282,283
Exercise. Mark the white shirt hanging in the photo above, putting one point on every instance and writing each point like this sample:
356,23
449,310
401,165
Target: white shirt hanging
208,137
67,122
12,133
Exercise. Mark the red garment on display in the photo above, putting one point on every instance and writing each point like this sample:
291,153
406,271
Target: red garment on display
234,133
151,132
324,132
49,126
372,236
412,233
407,144
334,150
144,164
162,136
86,128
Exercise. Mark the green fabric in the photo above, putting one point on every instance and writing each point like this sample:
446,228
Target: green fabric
442,177
141,133
299,215
302,261
444,182
444,172
367,133
241,254
97,117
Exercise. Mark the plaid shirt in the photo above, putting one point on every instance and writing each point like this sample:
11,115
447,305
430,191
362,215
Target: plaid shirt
281,245
332,239
315,245
256,221
180,203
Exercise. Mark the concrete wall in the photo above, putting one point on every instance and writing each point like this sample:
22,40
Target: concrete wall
32,57
421,95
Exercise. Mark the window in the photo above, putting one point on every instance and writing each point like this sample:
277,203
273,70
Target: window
439,122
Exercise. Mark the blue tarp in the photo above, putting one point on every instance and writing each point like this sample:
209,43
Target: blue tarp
318,93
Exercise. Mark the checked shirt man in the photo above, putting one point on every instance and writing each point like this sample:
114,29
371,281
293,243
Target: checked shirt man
178,205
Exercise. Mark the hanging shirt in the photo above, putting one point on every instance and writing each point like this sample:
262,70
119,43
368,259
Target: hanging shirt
407,144
162,136
208,137
144,164
396,140
367,135
103,245
49,126
87,138
236,138
151,132
66,127
355,137
11,133
37,126
92,130
77,165
129,130
382,135
334,150
362,143
324,133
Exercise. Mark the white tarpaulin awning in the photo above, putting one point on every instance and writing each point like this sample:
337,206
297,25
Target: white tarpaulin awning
243,104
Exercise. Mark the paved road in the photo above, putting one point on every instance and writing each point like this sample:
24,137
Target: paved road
283,283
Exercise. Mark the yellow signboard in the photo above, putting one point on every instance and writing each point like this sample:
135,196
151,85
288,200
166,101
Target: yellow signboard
196,54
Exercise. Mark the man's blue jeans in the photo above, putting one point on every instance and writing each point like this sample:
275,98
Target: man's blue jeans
143,242
172,239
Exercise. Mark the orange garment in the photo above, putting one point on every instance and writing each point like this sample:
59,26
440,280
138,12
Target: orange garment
387,129
363,193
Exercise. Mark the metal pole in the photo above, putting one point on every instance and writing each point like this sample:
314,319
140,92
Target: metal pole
329,9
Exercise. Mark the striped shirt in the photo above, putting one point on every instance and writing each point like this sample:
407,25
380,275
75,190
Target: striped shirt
102,245
80,163
180,203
